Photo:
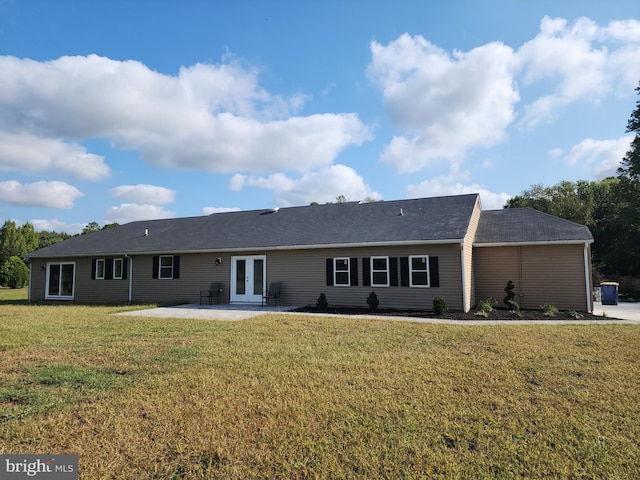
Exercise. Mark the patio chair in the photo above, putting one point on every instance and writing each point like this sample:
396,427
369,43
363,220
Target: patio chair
272,293
211,294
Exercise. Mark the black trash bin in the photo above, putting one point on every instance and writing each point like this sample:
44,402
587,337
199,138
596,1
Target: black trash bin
609,293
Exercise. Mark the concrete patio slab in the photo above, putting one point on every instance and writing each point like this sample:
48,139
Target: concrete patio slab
208,312
619,314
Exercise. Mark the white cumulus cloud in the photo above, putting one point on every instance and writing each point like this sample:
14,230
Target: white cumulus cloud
582,61
320,186
211,210
31,153
601,157
446,104
130,212
207,117
453,185
149,194
55,225
52,194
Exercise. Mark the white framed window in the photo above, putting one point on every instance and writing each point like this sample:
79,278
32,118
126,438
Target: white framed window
419,271
60,280
341,272
166,266
100,268
379,271
117,268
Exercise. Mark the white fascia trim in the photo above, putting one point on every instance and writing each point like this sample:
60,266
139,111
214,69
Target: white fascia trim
524,244
265,249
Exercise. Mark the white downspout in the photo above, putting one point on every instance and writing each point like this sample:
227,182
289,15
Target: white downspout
464,280
587,277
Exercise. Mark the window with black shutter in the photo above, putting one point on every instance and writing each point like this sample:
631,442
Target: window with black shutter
166,267
419,271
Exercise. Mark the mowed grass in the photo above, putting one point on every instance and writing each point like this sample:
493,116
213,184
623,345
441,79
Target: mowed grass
317,397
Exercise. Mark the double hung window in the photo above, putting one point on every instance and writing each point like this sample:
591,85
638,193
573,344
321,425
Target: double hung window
341,272
166,266
117,268
419,271
100,269
379,271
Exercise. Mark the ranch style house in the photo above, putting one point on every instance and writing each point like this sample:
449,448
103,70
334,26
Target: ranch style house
406,251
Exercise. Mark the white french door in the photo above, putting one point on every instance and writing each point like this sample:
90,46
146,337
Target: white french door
248,278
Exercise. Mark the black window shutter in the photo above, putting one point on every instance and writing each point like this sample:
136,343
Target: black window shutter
329,271
156,266
93,269
366,272
176,266
108,269
434,274
404,271
354,272
393,271
125,267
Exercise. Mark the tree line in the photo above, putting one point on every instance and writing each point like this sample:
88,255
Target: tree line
16,242
609,207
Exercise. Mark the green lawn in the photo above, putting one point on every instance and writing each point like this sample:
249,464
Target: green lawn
302,397
13,295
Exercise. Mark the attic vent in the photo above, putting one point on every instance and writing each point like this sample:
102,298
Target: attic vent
269,212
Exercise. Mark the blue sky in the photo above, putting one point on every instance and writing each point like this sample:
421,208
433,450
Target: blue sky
115,111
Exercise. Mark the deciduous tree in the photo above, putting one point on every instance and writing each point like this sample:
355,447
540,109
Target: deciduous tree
630,165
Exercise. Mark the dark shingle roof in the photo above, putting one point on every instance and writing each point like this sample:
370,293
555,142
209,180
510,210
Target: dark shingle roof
436,219
525,225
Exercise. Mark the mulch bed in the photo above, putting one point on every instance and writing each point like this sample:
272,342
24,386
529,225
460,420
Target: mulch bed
496,314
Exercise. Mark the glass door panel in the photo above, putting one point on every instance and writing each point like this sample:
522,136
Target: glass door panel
258,276
241,271
54,279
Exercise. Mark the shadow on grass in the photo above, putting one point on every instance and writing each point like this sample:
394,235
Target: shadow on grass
14,302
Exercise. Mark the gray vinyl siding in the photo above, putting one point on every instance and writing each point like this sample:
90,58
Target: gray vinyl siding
303,277
86,289
37,279
197,271
90,290
541,274
302,273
